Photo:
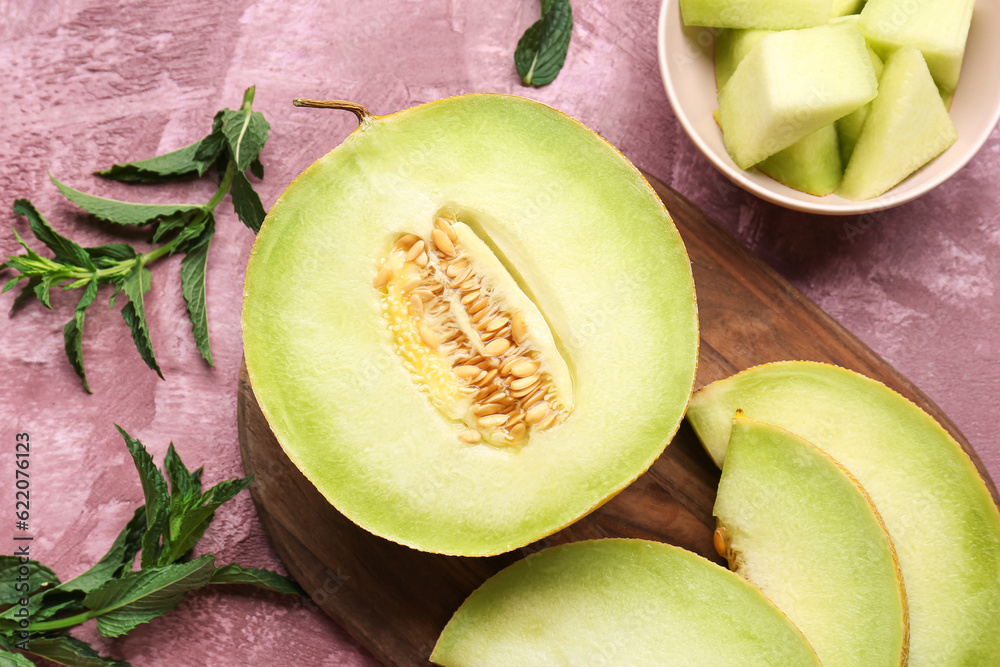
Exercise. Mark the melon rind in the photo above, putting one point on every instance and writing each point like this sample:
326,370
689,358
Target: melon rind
801,529
619,602
583,234
938,510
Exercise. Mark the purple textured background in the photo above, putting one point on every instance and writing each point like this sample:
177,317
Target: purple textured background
90,82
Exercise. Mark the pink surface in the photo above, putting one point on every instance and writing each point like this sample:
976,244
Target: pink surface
87,83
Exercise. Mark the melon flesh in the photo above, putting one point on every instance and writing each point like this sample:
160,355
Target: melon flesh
800,529
938,28
731,46
812,164
846,7
849,127
576,230
907,126
791,84
619,602
938,511
766,14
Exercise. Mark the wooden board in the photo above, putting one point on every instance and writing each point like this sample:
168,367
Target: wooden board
395,600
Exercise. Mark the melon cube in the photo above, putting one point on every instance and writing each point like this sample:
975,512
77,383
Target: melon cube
908,126
766,14
791,84
812,164
731,46
938,28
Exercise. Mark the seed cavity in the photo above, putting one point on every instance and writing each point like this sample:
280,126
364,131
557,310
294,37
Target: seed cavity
471,339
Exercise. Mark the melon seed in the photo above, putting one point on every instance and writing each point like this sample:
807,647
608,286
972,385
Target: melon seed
442,243
446,227
719,541
524,368
497,347
470,436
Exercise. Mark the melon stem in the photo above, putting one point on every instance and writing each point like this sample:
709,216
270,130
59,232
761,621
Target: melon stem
362,113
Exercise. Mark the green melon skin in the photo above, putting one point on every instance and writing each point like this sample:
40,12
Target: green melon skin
791,84
763,14
581,231
938,28
907,127
800,529
619,602
812,164
938,510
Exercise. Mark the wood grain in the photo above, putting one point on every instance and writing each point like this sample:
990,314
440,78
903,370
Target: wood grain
395,600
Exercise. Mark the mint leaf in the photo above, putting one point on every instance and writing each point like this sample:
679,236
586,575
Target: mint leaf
193,159
256,168
38,577
190,517
272,581
42,289
121,212
245,132
70,651
66,250
73,333
117,560
541,51
154,490
135,286
247,202
12,659
178,221
106,256
198,228
183,483
69,595
193,270
43,606
120,605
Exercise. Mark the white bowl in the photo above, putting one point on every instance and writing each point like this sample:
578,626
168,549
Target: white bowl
687,64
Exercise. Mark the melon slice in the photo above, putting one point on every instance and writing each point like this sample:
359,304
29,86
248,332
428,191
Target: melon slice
428,318
812,164
791,84
797,526
619,602
766,14
908,126
939,512
938,28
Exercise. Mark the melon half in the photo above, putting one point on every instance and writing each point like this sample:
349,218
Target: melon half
470,324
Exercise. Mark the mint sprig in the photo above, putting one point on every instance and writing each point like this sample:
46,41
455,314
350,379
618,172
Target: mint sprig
163,532
542,49
232,147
